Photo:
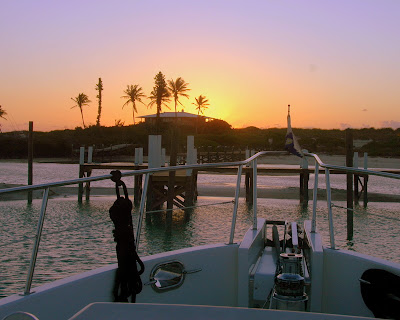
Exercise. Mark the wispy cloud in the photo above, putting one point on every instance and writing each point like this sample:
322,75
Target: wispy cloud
390,124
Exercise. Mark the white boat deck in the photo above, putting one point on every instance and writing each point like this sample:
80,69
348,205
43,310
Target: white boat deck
108,311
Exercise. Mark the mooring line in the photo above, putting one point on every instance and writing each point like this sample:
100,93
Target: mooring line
191,207
26,238
369,213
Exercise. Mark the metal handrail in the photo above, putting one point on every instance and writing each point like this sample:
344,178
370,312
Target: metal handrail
140,171
327,167
147,172
352,169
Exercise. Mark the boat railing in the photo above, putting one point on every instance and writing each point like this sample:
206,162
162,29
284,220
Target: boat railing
252,162
351,170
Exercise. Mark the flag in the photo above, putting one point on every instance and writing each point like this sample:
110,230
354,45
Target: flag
291,143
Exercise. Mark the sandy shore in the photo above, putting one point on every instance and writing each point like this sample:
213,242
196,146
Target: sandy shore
203,190
226,191
373,162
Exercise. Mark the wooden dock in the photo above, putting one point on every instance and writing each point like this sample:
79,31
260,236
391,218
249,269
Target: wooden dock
270,170
184,191
182,194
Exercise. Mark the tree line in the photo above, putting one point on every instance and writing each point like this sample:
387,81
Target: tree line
160,96
61,143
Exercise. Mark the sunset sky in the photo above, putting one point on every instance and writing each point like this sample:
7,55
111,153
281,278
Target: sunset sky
337,63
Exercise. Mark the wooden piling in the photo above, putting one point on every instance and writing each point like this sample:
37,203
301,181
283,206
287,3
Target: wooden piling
138,179
304,190
349,183
81,172
30,160
365,180
89,173
304,179
357,180
171,176
248,182
156,189
191,175
189,190
150,196
137,189
301,191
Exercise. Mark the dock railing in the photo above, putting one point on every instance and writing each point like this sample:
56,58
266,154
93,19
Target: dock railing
147,172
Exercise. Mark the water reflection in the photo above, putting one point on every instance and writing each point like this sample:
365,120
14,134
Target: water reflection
78,237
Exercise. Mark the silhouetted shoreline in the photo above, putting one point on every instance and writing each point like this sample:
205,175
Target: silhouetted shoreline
228,191
291,193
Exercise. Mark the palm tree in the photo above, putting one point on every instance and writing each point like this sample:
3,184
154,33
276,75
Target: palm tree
201,103
160,95
178,88
99,88
133,93
2,115
81,100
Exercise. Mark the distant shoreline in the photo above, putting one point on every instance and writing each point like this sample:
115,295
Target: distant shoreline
290,193
373,162
228,191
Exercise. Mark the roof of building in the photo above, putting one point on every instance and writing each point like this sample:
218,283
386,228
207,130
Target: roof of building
179,114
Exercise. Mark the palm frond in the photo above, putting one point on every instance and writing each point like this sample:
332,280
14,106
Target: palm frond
133,93
201,103
2,113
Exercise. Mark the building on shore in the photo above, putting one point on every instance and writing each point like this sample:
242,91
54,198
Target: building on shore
180,116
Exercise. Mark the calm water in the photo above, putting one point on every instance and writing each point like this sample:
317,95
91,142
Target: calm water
16,173
78,237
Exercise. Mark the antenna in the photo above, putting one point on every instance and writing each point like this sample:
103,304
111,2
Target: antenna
288,109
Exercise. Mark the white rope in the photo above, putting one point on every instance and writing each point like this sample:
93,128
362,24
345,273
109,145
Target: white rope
26,238
191,207
369,213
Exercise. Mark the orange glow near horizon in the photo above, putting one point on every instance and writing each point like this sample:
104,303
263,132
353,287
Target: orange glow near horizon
250,60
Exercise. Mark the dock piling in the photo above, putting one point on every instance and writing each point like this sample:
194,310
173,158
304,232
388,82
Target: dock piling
349,183
171,176
89,172
30,160
365,180
81,172
356,179
248,180
191,175
138,180
304,179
